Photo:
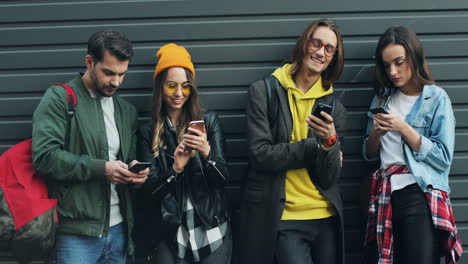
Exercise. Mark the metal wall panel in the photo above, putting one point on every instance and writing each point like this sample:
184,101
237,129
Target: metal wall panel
233,43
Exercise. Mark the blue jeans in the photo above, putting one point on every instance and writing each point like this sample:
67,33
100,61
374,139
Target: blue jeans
77,249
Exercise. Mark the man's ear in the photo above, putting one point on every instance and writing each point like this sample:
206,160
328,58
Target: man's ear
89,61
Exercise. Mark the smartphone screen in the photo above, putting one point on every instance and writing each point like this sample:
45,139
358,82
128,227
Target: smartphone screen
322,107
137,167
378,110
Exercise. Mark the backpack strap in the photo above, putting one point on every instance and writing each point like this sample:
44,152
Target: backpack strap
71,98
72,102
271,83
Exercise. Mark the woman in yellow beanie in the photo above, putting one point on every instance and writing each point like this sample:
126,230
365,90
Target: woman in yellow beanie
188,170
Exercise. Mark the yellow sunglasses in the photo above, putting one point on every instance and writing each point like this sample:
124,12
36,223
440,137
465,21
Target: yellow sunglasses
171,87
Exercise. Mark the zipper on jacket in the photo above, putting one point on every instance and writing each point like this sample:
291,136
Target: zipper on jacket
172,177
213,163
104,226
217,220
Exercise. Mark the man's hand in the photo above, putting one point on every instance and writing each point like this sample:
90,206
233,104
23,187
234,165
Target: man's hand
117,172
141,176
323,129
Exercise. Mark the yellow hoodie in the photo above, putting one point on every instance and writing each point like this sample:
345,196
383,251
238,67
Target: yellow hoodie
303,200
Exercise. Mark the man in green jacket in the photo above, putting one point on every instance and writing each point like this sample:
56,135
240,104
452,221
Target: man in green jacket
84,158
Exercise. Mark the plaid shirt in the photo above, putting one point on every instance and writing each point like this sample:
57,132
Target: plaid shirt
194,242
379,222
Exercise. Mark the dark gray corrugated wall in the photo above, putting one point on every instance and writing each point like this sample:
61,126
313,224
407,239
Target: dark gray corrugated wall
233,43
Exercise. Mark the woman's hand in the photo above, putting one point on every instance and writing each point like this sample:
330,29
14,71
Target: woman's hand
388,122
323,129
377,130
181,158
197,140
393,122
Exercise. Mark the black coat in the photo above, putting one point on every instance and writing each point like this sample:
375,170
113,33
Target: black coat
202,180
263,198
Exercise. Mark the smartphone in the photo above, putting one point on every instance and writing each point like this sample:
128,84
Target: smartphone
198,125
378,110
137,167
322,107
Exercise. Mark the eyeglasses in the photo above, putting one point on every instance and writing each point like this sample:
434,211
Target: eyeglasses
171,87
316,44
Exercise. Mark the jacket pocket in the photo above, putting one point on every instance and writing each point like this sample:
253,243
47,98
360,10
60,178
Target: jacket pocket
81,201
421,124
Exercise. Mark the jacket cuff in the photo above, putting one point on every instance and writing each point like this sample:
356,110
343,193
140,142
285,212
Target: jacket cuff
365,155
424,149
170,177
97,167
311,146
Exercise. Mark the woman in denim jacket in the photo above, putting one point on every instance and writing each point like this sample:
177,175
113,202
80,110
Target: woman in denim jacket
410,216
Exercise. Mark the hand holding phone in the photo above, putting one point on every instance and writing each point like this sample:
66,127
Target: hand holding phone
324,131
139,166
198,125
322,107
378,110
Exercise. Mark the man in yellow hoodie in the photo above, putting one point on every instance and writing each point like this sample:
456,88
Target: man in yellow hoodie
291,209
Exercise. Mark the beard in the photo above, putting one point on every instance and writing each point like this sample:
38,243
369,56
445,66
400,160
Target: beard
98,88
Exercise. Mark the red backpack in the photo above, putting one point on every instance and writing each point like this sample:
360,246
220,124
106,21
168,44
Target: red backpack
28,218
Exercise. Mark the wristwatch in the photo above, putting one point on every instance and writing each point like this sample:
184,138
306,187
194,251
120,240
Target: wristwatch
330,141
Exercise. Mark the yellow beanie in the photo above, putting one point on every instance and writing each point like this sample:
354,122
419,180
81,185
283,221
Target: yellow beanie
172,55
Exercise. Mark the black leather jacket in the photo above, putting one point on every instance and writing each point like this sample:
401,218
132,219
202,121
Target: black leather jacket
202,180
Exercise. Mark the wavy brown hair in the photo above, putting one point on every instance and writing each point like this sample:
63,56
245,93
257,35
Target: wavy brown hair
191,110
335,68
414,54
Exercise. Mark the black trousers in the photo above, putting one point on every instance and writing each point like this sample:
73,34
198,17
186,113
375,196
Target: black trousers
414,235
307,241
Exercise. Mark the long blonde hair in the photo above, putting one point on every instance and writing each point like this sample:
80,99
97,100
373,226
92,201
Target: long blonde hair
191,110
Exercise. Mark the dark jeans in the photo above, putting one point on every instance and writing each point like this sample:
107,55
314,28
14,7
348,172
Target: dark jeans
414,234
222,255
307,241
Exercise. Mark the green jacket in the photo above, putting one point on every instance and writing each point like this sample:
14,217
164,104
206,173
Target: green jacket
75,173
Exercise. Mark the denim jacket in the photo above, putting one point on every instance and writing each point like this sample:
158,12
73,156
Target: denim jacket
432,117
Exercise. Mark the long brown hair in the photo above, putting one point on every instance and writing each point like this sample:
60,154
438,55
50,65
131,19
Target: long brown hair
335,68
191,110
414,54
